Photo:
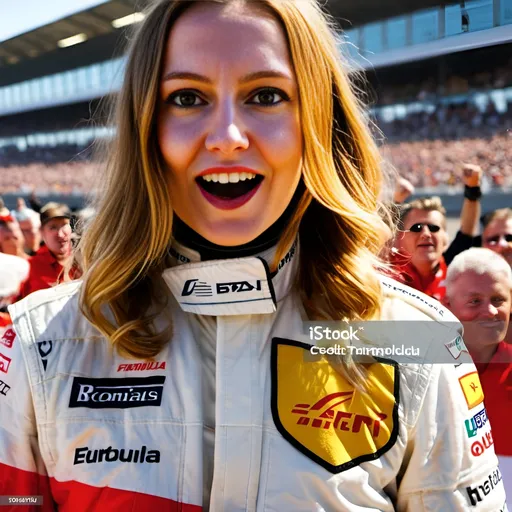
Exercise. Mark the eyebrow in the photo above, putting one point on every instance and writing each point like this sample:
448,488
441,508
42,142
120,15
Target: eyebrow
251,77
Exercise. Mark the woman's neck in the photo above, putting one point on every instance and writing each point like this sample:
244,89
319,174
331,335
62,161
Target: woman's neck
210,251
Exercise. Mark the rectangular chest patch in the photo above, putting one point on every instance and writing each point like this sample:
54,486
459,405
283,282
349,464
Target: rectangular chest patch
117,393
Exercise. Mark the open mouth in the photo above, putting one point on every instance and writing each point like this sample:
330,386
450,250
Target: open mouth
229,191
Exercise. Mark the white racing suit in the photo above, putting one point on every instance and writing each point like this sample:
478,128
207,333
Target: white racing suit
89,430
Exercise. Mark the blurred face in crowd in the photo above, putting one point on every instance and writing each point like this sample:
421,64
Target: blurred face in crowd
20,203
31,234
11,238
228,125
482,304
495,237
56,234
424,238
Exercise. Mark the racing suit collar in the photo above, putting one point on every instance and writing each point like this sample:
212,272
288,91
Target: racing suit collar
235,286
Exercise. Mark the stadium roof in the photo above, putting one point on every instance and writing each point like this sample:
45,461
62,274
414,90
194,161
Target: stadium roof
43,33
28,31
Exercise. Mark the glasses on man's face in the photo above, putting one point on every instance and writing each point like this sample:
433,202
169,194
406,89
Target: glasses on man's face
417,228
495,240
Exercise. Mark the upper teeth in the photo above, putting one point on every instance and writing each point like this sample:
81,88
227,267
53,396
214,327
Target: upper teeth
232,177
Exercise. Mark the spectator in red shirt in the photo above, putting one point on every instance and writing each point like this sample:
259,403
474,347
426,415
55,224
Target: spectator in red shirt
478,292
421,252
419,246
48,267
11,237
13,271
497,236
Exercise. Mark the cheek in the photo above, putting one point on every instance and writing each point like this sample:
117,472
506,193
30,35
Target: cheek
178,142
465,314
407,243
280,142
441,240
504,312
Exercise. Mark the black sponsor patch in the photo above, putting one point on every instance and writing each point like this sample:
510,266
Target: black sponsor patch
117,393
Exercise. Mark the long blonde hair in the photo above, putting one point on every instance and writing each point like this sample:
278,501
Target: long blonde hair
123,252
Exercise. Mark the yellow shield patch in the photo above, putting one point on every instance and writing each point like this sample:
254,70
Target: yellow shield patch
321,414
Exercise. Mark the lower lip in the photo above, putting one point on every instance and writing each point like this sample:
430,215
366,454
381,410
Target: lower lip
491,325
229,204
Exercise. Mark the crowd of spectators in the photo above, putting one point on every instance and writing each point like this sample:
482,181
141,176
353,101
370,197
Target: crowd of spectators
439,163
448,122
61,179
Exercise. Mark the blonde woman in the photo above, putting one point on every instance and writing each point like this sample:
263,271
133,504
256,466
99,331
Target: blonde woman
240,201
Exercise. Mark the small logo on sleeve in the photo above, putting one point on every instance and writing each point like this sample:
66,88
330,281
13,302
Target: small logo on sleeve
472,389
5,362
4,388
475,423
478,493
8,338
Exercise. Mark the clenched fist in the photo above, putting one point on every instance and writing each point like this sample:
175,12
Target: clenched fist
472,175
403,189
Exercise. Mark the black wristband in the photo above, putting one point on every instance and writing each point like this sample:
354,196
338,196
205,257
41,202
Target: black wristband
472,193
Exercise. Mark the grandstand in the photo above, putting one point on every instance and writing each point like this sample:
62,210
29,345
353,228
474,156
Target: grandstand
441,77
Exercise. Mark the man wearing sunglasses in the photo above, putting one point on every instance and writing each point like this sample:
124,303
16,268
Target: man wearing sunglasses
420,244
421,252
497,234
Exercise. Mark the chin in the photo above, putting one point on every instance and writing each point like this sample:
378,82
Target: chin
231,234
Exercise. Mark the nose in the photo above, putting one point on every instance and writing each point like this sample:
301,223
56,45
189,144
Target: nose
425,232
226,133
490,311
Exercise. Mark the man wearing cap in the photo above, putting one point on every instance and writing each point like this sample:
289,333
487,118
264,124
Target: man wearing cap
48,265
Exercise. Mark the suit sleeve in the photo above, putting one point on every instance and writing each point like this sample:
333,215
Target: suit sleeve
451,464
22,470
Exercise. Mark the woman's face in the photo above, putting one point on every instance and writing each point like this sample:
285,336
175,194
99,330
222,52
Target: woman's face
228,124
